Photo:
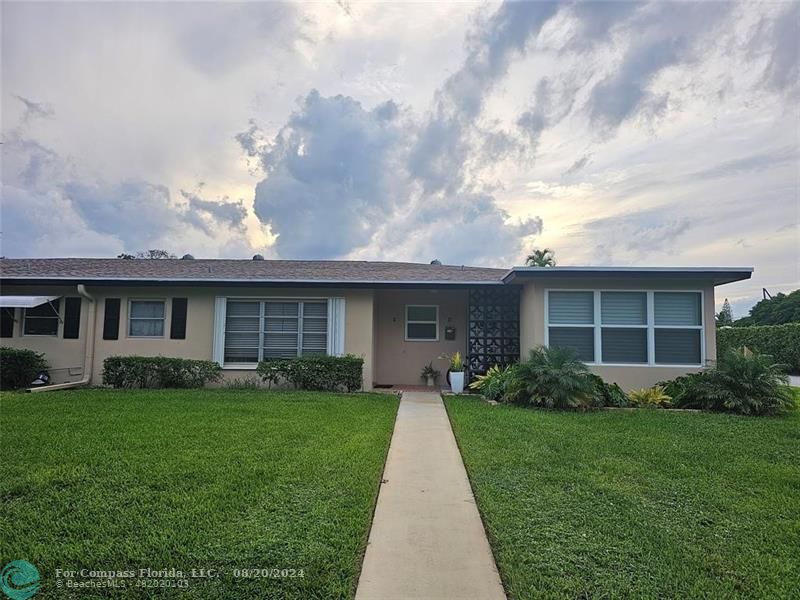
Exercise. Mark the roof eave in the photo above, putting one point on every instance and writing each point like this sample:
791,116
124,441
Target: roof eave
718,275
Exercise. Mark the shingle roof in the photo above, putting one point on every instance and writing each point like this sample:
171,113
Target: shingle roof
222,270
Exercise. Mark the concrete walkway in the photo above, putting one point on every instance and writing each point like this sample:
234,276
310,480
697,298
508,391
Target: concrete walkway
427,539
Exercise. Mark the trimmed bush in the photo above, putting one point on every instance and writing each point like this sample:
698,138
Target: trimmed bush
19,367
321,373
159,372
782,342
748,384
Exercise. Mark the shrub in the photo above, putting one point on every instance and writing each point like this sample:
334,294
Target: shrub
493,383
245,384
19,367
653,397
740,382
159,372
607,394
782,342
551,378
323,373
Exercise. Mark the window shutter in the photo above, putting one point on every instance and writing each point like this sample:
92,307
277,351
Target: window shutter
72,318
579,339
571,308
678,346
7,322
177,329
111,319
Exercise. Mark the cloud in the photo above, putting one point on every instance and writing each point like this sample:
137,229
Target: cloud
749,164
625,239
35,110
780,38
49,209
578,165
337,180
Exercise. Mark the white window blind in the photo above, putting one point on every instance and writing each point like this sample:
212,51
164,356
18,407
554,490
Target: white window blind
571,308
255,330
627,327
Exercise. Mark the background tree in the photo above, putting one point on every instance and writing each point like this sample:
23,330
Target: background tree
154,253
780,309
725,316
541,258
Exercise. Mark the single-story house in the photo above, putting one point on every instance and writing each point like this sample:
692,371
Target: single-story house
632,325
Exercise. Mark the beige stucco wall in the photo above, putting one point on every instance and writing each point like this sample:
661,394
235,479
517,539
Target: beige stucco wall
399,361
65,357
532,324
63,354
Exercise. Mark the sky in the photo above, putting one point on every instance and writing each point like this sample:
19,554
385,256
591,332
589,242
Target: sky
615,133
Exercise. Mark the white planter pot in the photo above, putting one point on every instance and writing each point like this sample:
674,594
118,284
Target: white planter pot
430,381
457,382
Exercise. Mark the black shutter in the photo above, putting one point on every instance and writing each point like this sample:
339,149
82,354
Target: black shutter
177,330
111,319
72,318
7,322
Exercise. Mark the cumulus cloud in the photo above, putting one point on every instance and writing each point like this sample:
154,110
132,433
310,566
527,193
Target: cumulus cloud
50,209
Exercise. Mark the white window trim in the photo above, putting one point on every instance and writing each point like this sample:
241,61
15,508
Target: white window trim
59,325
335,333
408,322
597,326
146,337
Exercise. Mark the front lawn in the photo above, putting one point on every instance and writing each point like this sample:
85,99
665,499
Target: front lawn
209,479
640,504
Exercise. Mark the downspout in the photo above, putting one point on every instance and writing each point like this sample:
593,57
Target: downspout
88,359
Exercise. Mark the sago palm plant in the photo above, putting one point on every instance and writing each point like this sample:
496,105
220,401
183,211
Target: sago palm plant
551,378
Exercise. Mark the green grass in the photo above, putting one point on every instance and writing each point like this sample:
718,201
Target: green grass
217,479
636,504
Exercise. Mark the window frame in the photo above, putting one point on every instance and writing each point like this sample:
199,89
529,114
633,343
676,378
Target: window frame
262,300
128,319
58,316
408,322
598,326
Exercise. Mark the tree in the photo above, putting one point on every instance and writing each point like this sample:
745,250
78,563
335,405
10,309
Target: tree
541,258
725,316
154,253
780,309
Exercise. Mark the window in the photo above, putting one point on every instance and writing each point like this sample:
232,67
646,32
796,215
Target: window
627,327
678,328
573,313
422,323
42,319
260,329
146,318
623,319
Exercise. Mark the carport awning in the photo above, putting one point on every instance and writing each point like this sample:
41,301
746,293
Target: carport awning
25,301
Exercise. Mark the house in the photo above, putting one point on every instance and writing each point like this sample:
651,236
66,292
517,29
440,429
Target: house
634,326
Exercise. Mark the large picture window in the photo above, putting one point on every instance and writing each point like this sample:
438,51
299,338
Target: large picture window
627,327
256,330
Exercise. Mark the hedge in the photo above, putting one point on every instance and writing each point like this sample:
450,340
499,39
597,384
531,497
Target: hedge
782,342
323,373
159,372
19,367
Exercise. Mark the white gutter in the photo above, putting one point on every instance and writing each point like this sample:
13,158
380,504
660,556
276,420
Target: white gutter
88,359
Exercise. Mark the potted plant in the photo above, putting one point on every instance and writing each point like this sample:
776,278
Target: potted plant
456,373
429,374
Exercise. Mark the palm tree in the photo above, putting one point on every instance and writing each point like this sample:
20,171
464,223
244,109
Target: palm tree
541,258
